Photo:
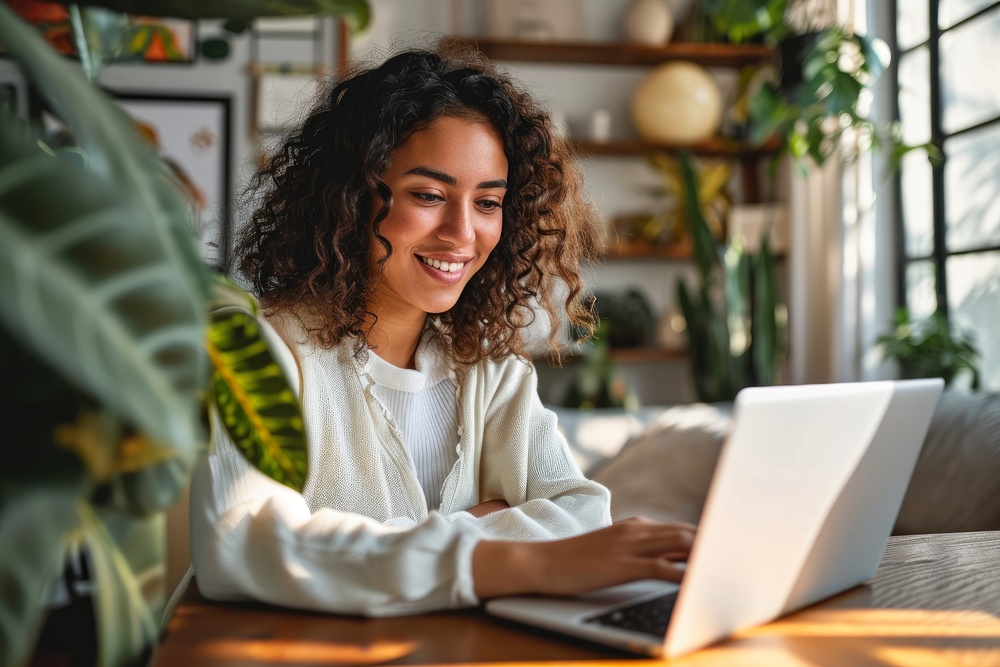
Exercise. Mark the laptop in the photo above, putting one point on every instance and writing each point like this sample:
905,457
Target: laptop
801,505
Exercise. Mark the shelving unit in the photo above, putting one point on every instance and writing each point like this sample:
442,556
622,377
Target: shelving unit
621,54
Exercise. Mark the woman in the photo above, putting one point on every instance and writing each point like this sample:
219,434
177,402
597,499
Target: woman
402,236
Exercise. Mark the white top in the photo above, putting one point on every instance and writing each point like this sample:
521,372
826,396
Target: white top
421,403
360,539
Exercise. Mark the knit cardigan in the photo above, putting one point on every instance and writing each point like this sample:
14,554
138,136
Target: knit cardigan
359,538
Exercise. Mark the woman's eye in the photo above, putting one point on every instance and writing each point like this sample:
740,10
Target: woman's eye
428,197
490,204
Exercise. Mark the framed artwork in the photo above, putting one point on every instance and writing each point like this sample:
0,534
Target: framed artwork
281,97
149,39
193,135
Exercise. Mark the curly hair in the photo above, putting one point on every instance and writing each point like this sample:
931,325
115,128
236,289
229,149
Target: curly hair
307,244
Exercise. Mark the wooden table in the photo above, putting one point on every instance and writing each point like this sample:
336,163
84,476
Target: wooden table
935,601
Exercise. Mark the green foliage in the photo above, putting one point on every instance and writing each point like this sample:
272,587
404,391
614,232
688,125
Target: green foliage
930,348
596,385
815,96
737,340
254,400
103,301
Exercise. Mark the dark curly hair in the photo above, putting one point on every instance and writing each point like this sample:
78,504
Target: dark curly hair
306,246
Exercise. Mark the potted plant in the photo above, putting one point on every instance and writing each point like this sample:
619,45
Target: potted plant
736,323
113,345
930,348
822,69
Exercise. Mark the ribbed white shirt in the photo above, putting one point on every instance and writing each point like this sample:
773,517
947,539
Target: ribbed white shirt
422,404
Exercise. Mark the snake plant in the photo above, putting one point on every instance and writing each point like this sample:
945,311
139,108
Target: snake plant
112,350
736,322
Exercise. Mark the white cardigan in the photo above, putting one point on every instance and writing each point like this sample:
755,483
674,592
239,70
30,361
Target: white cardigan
359,539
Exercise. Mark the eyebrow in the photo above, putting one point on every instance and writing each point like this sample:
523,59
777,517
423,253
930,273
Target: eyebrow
451,180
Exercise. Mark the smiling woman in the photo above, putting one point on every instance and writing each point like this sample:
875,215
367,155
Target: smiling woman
402,236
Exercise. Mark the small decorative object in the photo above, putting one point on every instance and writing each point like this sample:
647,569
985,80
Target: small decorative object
536,20
678,103
752,222
671,331
648,22
600,126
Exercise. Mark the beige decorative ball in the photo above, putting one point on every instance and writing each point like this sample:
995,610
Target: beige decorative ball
678,103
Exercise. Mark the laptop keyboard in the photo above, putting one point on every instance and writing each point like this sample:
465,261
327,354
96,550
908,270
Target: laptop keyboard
650,617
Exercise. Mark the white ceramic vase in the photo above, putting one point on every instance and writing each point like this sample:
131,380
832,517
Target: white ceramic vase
678,103
648,22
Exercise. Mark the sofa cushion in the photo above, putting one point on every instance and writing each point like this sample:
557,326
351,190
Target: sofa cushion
956,484
664,472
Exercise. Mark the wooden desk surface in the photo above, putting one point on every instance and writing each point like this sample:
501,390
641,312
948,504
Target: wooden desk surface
935,601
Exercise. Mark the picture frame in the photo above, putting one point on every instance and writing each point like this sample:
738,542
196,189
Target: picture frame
151,39
193,134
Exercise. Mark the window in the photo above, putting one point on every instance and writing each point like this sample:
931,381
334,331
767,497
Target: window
949,215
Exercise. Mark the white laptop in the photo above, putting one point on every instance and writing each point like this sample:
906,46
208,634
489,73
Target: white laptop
802,502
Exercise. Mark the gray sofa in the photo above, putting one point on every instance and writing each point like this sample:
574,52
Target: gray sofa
658,462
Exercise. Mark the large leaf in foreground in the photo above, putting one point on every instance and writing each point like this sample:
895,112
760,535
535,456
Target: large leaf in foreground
35,523
114,151
89,287
255,403
98,271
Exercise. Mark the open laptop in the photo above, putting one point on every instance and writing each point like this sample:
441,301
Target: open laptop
802,502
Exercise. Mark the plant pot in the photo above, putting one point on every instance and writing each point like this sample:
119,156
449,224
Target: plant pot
790,53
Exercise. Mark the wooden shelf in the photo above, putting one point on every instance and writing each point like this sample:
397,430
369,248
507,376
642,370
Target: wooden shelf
627,355
717,147
605,53
668,251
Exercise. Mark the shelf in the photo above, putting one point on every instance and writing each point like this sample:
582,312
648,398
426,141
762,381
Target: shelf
604,53
717,147
626,355
670,251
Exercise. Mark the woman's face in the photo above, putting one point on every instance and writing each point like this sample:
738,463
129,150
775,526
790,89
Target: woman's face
448,183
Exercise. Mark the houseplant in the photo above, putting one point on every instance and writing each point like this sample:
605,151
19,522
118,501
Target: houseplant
823,68
930,347
736,324
106,336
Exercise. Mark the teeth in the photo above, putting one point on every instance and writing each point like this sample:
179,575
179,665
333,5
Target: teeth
447,267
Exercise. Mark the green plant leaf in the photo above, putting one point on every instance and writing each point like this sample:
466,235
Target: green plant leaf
704,245
766,350
35,523
91,290
126,624
254,401
100,273
356,12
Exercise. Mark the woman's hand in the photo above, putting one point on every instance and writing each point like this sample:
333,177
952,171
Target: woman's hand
482,509
626,551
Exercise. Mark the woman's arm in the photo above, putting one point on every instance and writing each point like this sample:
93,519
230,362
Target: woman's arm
526,463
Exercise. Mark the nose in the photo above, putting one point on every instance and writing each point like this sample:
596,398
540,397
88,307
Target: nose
457,225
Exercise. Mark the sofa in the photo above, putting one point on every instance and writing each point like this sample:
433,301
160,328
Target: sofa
658,461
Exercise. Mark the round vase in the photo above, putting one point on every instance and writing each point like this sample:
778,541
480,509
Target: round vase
678,103
648,22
